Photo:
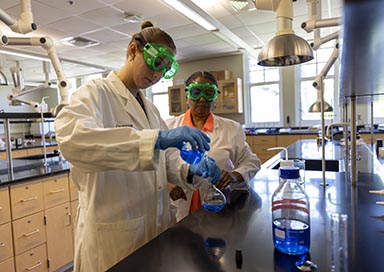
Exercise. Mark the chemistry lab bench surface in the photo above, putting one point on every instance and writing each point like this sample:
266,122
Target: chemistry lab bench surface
32,167
239,238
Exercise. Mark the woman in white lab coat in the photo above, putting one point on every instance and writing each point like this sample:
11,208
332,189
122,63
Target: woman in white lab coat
110,134
228,143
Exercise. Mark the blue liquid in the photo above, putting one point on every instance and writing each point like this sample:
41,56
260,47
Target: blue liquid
212,207
191,156
291,236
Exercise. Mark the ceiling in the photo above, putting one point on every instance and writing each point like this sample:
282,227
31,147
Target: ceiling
103,21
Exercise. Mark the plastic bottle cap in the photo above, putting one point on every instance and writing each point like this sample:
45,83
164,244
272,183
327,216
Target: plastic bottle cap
289,172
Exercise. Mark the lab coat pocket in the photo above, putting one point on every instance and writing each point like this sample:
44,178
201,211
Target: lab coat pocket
117,240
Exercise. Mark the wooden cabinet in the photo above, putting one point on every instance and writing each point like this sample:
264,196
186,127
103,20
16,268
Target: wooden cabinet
177,100
6,246
367,137
34,260
7,265
28,232
286,140
259,145
59,236
230,99
26,199
5,209
38,234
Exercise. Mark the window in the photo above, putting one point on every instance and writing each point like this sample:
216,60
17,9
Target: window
158,93
265,99
309,94
378,109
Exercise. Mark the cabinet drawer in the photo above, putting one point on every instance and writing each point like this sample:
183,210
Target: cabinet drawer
33,260
73,190
19,153
8,265
286,140
265,140
26,198
5,209
28,232
34,151
6,246
56,191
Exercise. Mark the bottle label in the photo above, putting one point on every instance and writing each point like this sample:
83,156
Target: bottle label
295,204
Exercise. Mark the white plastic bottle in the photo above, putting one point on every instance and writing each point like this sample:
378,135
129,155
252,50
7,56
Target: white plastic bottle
290,214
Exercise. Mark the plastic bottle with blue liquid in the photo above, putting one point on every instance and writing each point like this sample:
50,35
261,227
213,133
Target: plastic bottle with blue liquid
290,214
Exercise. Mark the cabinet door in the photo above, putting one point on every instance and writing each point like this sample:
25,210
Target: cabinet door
59,236
177,99
5,209
56,190
26,198
6,246
33,260
230,99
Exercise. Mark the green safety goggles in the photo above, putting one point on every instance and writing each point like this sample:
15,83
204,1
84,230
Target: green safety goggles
197,90
159,58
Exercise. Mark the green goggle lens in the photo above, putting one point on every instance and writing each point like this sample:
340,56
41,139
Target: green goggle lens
197,90
159,58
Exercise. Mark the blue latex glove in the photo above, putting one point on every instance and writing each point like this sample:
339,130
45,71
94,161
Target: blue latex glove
178,136
207,168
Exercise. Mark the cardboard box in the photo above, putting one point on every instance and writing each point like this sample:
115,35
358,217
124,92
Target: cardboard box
222,74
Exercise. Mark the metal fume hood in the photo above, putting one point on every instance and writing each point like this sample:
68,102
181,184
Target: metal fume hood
362,59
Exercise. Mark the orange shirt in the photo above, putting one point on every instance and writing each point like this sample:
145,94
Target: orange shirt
208,126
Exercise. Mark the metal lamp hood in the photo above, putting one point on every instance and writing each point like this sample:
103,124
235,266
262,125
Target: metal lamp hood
285,48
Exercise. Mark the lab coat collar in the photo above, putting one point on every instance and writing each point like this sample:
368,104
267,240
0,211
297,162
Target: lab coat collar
132,106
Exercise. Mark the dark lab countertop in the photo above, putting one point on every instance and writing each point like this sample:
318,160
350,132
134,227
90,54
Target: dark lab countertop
27,169
247,224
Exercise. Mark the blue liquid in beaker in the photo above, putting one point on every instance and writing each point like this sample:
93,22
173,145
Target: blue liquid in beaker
191,156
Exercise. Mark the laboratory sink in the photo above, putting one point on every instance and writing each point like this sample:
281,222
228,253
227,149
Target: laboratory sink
315,165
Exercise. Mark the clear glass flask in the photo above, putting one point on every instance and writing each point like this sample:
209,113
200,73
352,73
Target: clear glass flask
214,200
189,155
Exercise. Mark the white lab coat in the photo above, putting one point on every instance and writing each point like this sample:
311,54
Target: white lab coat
227,142
122,181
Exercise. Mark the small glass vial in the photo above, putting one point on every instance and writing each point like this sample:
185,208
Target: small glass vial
290,214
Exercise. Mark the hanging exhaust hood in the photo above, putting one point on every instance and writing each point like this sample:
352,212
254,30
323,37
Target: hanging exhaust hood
362,58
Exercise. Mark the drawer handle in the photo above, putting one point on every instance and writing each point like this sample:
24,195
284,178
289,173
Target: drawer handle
57,191
33,267
31,233
29,199
2,244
